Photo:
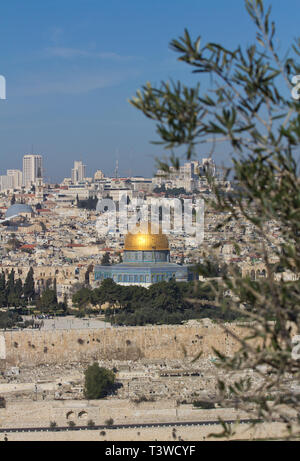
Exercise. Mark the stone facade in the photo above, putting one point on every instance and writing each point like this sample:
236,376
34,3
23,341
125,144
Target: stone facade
121,411
33,347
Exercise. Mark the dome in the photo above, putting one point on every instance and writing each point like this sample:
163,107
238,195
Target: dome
17,209
141,239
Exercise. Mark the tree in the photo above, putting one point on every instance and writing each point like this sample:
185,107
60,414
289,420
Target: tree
15,295
9,319
87,274
253,107
106,259
43,226
63,306
109,291
89,204
109,422
28,288
98,382
82,298
48,301
167,296
14,243
10,288
3,292
164,302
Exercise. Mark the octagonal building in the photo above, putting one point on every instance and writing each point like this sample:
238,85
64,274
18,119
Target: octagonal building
146,260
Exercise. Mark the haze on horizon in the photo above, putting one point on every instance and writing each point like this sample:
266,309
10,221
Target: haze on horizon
71,67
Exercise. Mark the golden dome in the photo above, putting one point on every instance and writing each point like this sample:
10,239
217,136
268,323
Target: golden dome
141,239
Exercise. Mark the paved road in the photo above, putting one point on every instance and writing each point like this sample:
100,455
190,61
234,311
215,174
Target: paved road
70,323
125,426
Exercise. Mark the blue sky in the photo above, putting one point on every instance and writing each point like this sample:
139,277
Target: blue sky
72,65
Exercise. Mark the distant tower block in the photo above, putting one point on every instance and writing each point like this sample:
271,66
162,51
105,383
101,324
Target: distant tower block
78,172
32,169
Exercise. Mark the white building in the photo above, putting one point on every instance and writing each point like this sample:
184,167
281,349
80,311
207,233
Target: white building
78,172
32,169
188,176
5,183
17,178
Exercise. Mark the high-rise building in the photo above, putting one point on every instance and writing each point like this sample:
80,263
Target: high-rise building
17,178
32,169
6,182
78,172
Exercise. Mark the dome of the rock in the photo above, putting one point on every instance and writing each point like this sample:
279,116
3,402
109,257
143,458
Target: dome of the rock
146,238
146,260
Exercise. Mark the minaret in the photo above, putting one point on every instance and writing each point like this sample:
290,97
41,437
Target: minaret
117,170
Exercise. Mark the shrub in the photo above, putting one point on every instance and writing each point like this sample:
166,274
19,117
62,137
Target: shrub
2,402
109,422
98,382
204,404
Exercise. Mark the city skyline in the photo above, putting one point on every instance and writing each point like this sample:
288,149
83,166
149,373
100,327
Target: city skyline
70,73
188,176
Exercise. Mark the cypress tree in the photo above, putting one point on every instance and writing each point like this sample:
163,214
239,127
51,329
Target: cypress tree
28,289
10,288
105,259
18,292
11,282
3,292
